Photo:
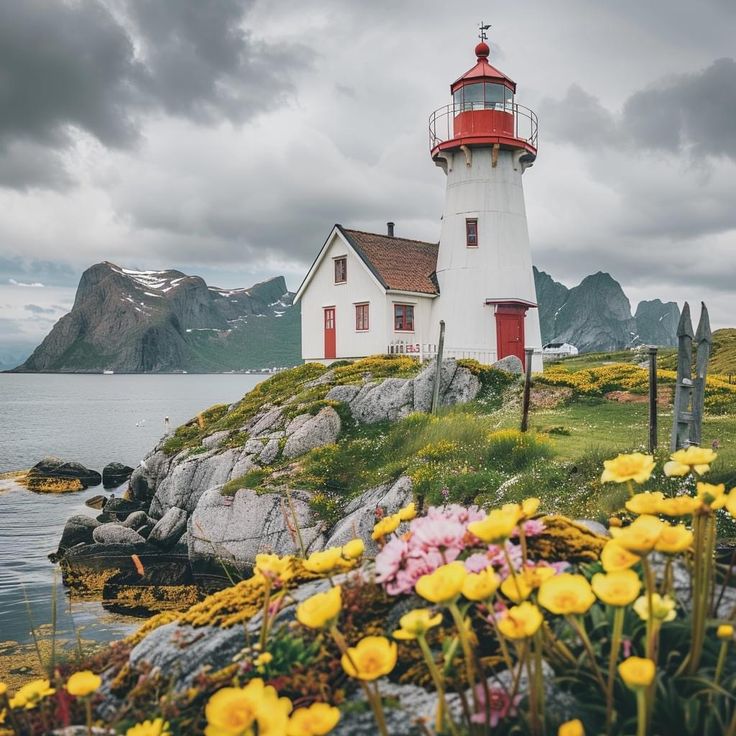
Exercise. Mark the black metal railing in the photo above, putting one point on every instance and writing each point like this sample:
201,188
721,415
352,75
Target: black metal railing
442,122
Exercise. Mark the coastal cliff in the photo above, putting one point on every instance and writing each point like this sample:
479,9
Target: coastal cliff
157,321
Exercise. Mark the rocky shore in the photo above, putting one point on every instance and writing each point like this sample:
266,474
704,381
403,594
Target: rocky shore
189,524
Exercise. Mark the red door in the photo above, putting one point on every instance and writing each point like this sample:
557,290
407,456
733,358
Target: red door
510,331
330,341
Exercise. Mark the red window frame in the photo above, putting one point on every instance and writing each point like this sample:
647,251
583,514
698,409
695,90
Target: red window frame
403,318
362,317
341,270
471,232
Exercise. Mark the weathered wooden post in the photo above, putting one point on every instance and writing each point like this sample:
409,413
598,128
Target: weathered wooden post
652,398
438,369
529,354
703,344
682,416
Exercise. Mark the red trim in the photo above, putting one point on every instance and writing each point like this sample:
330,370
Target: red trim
365,318
330,332
484,140
471,232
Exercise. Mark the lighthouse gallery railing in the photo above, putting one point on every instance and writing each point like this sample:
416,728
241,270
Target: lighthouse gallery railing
442,121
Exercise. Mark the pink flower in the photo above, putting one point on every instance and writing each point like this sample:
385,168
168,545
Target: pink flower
498,707
477,562
437,534
390,559
532,528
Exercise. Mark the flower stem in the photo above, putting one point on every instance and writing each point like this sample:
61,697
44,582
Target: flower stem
462,633
641,712
264,624
88,711
443,712
721,661
580,631
651,628
618,626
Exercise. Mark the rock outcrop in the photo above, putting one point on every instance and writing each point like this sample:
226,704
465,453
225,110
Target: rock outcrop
115,474
53,475
149,321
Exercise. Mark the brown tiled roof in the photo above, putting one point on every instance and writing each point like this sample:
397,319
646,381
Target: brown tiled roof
398,263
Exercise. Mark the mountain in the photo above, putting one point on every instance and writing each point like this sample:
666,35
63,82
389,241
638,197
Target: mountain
157,321
596,315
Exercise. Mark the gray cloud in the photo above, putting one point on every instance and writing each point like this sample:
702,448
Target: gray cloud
686,113
99,66
36,309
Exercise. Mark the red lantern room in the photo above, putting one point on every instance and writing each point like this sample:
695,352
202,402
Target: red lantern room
483,112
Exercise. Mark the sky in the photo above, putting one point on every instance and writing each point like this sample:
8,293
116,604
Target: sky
225,138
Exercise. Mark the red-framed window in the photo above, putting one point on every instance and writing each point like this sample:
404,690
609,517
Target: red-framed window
404,317
471,232
362,320
341,270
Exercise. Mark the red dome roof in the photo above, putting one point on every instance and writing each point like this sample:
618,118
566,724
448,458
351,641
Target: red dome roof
483,70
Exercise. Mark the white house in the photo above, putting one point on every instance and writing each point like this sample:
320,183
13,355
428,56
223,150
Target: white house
559,349
367,293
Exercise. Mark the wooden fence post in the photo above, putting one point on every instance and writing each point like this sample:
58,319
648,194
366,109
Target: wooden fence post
438,369
652,398
681,415
529,354
703,343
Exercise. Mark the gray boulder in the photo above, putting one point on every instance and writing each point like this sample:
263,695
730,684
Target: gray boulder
136,520
215,439
319,430
389,400
116,534
423,384
465,386
269,453
115,474
297,422
253,447
77,530
169,528
188,479
509,364
244,464
267,422
359,516
236,528
343,393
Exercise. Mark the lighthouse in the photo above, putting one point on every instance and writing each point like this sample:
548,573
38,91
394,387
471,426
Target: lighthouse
484,141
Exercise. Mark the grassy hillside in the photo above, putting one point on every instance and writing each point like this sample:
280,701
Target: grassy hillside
723,357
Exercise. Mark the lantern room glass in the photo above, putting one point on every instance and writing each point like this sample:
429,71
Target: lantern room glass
483,96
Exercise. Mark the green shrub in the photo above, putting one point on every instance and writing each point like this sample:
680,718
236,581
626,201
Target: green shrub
253,479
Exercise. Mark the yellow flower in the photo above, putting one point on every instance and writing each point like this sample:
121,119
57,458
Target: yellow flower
520,622
385,526
529,507
731,502
673,469
615,557
156,727
273,567
325,561
725,631
637,672
31,694
636,466
566,593
263,659
321,609
444,584
618,588
3,689
663,608
498,524
696,458
234,711
678,506
83,683
371,658
516,588
416,623
712,495
318,719
408,513
645,503
481,586
641,535
353,549
571,728
674,539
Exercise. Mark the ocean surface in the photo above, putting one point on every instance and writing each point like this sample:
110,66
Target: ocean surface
95,420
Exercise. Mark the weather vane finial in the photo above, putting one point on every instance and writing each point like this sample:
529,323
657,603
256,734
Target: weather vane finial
483,27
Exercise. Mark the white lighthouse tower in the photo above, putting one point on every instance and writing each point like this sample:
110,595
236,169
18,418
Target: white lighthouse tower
484,141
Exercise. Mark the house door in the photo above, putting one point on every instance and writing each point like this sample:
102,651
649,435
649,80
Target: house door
330,341
510,331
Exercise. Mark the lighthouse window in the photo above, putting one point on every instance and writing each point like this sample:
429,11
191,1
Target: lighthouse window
471,233
495,95
473,96
341,270
404,317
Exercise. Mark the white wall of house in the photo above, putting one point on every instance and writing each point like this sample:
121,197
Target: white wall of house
500,267
322,291
424,331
